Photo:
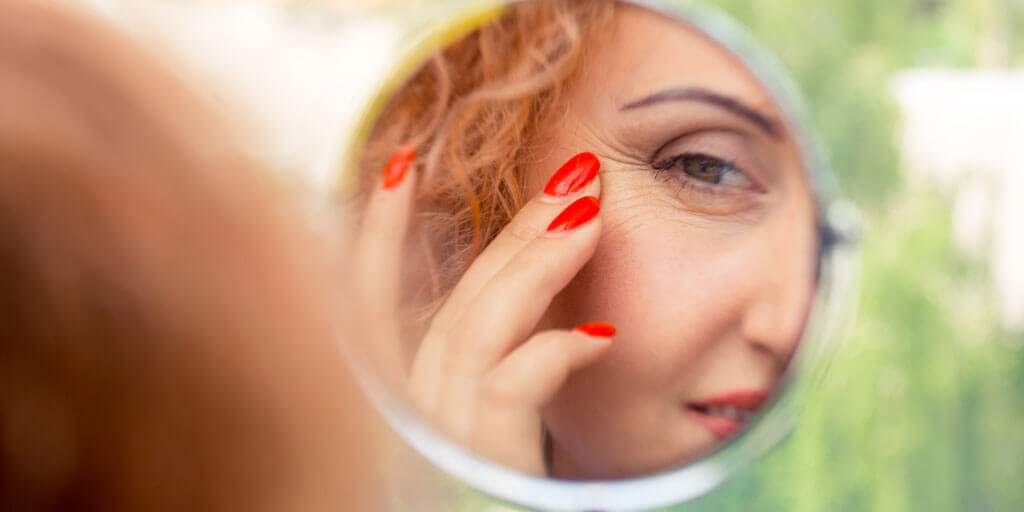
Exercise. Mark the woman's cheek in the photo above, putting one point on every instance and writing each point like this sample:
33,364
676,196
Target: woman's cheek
672,287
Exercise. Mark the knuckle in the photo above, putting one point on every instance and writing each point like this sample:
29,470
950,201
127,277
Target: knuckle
523,230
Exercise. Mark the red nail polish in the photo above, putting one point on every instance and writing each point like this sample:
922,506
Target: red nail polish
397,166
575,215
599,329
574,175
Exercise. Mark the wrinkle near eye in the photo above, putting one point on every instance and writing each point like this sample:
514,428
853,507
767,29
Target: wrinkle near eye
606,144
632,197
630,212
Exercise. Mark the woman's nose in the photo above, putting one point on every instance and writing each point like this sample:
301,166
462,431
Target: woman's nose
780,300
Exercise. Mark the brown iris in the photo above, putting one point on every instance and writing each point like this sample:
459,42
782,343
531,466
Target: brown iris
704,168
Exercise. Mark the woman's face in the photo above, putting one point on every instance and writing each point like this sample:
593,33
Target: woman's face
707,256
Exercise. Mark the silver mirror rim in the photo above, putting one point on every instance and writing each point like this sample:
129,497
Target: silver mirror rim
833,307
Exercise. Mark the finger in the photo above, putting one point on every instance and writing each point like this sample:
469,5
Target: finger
577,177
378,257
384,226
497,415
531,375
509,306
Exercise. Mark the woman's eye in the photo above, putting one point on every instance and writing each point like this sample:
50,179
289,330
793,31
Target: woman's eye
709,184
708,170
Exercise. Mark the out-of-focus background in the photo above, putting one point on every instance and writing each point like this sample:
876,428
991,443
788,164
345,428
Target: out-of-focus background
921,104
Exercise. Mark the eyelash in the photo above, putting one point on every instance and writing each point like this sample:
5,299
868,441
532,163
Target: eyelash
689,183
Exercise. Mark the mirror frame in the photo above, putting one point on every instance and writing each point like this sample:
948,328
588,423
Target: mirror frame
835,297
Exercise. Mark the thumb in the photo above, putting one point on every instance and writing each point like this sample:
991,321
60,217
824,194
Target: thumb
532,374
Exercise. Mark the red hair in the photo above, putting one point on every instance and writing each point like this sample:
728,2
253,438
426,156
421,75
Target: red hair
473,112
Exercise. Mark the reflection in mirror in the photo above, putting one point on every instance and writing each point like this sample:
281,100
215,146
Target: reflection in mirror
587,244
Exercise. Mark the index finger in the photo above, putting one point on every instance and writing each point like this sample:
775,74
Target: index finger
575,178
375,268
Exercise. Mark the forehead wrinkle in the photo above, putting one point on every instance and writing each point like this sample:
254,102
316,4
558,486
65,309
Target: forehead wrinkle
602,134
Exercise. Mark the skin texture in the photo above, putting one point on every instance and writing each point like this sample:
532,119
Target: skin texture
708,276
710,293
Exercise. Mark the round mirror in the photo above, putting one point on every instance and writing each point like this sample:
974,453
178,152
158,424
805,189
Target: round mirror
596,259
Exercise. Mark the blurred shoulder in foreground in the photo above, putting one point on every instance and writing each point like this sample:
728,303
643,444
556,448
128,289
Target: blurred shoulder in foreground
166,316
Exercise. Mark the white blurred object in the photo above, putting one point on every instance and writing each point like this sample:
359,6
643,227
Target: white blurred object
963,130
303,78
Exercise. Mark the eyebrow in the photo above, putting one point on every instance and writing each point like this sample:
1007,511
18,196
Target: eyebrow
731,104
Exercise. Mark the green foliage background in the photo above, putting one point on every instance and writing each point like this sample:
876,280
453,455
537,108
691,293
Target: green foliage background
924,407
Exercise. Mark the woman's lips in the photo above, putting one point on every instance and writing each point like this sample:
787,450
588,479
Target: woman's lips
726,414
721,427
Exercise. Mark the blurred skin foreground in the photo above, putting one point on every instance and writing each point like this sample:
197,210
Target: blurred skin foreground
166,339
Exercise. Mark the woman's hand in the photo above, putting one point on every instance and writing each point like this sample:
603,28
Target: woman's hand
481,373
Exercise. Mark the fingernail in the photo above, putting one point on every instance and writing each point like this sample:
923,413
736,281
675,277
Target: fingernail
398,166
599,329
574,175
575,215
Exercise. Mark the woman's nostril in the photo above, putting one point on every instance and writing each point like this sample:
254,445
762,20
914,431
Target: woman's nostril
769,329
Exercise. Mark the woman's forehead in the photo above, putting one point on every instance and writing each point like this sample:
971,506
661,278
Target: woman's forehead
645,51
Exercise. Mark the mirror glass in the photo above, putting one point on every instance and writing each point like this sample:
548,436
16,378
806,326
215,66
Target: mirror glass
588,240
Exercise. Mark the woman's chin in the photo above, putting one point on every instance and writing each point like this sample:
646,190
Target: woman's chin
696,442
